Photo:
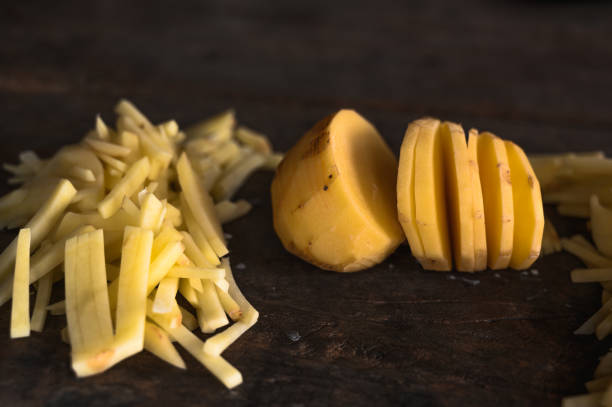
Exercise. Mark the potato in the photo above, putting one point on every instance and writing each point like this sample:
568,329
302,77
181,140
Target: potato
498,201
135,183
528,210
333,196
20,310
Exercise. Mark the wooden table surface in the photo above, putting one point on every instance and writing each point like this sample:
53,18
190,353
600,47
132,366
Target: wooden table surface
537,72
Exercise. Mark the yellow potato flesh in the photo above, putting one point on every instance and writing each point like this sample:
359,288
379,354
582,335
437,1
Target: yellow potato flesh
459,195
333,195
497,199
406,210
480,233
430,199
528,211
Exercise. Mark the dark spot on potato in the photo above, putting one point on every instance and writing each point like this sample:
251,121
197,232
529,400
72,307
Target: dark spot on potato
505,173
325,188
530,181
330,176
318,137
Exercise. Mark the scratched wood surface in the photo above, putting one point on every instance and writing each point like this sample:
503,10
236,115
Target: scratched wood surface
536,72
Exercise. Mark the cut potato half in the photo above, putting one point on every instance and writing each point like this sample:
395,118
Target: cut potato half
497,199
528,211
333,196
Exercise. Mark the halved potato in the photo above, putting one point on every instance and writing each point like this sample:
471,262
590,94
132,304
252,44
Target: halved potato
333,196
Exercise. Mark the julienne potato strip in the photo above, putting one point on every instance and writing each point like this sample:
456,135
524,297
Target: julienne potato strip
20,312
218,366
87,310
132,291
157,342
201,206
216,344
131,183
165,295
126,220
43,295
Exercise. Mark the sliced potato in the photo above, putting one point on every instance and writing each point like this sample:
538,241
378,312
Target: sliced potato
20,311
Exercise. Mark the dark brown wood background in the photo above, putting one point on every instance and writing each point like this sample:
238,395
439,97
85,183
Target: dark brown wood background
537,72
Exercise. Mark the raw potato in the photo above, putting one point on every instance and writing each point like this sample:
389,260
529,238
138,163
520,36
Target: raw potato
406,209
459,193
333,196
134,182
480,232
430,198
496,183
20,311
528,211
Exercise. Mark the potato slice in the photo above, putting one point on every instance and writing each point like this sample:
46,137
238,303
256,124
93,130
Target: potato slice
343,174
406,209
459,194
480,232
497,198
528,210
20,310
430,198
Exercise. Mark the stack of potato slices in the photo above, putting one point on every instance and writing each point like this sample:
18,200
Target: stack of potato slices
129,218
457,201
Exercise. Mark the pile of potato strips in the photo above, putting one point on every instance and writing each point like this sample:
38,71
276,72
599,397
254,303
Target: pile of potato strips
129,218
580,186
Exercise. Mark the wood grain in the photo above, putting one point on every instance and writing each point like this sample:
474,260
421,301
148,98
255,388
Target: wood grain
536,72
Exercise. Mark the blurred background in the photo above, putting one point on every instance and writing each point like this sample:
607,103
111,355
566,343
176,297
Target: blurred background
528,70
